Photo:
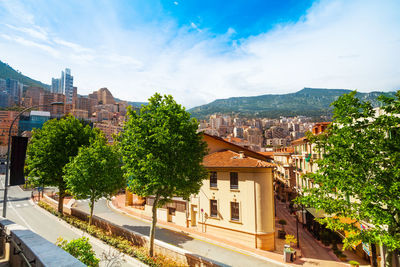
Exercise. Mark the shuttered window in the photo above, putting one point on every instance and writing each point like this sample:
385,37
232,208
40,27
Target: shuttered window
213,208
235,211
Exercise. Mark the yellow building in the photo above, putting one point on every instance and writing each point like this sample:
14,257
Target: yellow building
235,203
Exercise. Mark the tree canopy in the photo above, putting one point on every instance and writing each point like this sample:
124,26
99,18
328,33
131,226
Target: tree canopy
162,152
95,172
359,175
51,148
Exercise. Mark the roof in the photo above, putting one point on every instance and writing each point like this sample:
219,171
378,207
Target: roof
40,113
299,141
228,158
240,148
267,153
235,140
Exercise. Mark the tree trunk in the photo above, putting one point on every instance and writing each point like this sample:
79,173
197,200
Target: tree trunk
61,195
153,226
91,206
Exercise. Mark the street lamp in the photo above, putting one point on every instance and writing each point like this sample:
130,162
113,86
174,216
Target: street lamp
8,151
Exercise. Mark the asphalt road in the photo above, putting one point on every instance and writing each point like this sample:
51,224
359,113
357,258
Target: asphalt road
221,255
23,212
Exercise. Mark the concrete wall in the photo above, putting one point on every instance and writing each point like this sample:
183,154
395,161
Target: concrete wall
37,250
181,256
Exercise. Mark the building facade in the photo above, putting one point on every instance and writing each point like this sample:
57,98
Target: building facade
235,203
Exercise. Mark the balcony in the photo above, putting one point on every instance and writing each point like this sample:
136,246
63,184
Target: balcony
22,247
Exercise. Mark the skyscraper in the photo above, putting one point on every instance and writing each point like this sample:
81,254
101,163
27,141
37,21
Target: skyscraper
68,86
64,85
14,89
56,86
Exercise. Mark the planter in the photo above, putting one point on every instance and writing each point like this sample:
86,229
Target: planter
281,234
288,254
343,257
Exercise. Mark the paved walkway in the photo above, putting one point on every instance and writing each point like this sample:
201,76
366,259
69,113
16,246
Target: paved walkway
313,254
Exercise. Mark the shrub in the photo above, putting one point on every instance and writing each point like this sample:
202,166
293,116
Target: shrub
81,249
290,239
354,263
120,243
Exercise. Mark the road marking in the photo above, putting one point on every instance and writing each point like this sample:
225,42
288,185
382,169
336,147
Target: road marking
79,201
26,205
18,205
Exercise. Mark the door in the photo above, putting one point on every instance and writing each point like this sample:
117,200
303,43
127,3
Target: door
193,213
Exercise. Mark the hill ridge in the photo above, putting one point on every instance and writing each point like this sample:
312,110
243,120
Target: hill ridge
307,101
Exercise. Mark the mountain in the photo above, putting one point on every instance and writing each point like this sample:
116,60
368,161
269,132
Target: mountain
6,71
307,102
133,104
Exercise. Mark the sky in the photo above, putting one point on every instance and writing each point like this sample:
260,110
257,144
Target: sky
199,51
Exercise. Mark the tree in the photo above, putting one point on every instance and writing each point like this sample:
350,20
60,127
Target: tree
51,148
95,172
358,180
162,153
81,249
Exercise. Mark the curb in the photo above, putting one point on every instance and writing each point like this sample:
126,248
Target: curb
93,239
204,239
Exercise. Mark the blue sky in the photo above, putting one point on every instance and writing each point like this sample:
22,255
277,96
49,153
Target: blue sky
202,50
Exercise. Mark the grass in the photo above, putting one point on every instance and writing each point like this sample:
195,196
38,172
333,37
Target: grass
122,244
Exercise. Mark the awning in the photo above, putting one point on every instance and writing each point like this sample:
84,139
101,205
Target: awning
316,213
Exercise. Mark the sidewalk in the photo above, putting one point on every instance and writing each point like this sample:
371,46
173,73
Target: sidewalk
311,248
310,257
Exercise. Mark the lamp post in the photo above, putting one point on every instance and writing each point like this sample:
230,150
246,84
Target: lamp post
8,151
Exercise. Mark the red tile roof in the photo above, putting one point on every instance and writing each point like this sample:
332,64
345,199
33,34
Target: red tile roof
229,158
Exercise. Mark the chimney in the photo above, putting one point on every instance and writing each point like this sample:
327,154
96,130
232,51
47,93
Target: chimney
241,155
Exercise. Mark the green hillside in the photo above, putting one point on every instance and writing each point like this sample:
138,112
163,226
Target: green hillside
307,102
8,72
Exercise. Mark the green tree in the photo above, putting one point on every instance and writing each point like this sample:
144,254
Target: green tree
359,175
95,172
162,153
51,148
81,249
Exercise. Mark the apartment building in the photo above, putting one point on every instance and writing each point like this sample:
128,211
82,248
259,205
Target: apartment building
235,203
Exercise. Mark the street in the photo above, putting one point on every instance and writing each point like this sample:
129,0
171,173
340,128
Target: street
23,212
222,255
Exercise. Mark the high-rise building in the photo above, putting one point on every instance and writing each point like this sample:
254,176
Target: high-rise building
14,89
64,85
5,99
2,85
56,86
68,86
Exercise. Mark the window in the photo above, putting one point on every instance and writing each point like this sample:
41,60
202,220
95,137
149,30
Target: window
234,180
213,179
235,211
171,211
213,208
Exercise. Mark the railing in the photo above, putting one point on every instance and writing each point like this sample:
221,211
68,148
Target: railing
22,247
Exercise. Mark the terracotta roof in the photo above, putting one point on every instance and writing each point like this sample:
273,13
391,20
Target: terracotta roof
241,148
235,140
267,153
300,140
228,158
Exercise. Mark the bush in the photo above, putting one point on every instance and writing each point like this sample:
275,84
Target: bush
354,263
120,243
282,222
81,249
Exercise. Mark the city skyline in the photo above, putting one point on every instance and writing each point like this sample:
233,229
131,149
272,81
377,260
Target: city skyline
201,52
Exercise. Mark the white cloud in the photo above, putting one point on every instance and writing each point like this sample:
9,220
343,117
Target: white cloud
336,44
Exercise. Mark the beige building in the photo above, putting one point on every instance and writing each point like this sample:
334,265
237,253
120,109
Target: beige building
235,203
